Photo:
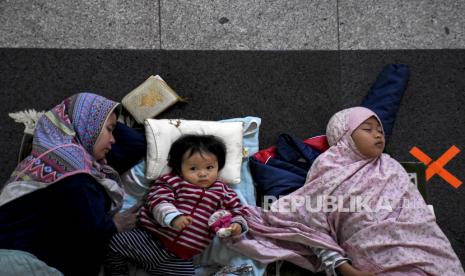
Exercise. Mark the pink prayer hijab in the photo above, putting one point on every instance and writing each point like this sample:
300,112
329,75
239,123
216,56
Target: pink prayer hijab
392,231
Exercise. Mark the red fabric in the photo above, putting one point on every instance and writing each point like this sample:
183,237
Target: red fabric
197,202
319,143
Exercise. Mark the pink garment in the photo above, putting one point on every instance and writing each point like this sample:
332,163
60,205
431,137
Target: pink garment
220,219
394,234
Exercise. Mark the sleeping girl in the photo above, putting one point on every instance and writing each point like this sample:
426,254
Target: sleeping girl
376,221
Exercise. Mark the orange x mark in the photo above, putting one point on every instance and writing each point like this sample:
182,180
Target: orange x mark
437,167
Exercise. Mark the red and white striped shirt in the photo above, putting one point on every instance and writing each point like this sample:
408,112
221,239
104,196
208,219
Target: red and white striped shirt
169,194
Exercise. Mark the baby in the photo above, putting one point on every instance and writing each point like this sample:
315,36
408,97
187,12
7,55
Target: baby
174,221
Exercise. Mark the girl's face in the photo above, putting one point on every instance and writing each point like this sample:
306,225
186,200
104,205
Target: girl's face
369,138
105,138
200,169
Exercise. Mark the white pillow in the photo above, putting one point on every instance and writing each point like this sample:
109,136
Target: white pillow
161,134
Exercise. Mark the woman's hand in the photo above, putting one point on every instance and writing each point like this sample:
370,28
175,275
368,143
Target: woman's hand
181,222
126,220
236,229
347,269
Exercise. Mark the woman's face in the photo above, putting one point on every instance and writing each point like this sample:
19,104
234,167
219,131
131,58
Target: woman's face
369,138
105,138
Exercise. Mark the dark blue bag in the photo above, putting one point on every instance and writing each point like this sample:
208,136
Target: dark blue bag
386,94
129,149
287,171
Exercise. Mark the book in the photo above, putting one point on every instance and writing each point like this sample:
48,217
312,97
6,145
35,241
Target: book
150,98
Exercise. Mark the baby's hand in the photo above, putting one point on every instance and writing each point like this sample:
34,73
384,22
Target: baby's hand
236,229
181,222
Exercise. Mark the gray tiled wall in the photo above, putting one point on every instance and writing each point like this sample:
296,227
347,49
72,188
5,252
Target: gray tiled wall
233,25
249,25
400,24
113,24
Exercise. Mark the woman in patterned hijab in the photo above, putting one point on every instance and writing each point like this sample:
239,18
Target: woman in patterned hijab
61,200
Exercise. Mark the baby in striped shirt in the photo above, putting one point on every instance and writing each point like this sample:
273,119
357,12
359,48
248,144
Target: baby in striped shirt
173,224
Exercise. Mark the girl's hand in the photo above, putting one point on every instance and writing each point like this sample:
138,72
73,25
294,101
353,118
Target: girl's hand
347,269
181,222
126,220
236,229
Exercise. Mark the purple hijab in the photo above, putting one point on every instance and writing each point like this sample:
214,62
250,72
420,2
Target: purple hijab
62,146
392,233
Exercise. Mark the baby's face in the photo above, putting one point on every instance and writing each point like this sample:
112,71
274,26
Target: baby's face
369,138
200,169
